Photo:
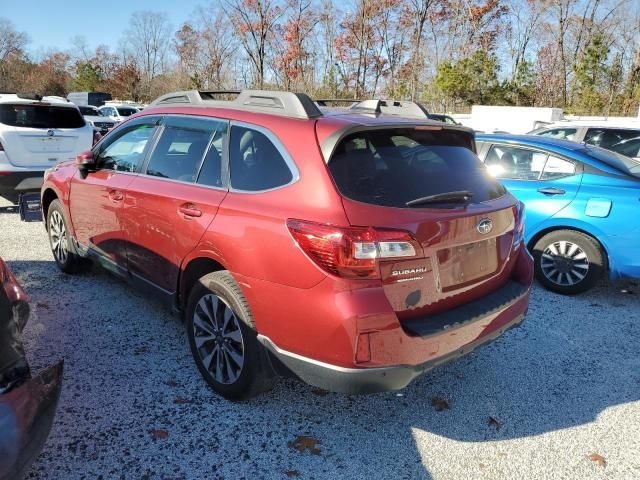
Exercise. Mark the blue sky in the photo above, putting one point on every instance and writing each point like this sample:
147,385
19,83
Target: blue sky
51,24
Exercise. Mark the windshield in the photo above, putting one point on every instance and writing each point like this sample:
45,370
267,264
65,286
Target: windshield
619,162
40,116
393,167
89,111
126,111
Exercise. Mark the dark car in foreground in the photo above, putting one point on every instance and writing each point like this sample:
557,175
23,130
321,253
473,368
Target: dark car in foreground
582,207
355,248
27,403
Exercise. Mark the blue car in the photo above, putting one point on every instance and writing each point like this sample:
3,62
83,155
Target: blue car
582,207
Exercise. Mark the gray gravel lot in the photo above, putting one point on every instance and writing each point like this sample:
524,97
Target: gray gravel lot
562,387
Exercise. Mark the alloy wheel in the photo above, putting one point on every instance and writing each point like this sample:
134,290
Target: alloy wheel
58,236
564,263
218,339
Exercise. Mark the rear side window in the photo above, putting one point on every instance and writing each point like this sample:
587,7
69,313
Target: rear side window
40,116
255,163
557,168
609,138
505,161
392,167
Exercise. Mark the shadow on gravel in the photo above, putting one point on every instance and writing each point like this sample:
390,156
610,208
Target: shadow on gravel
129,372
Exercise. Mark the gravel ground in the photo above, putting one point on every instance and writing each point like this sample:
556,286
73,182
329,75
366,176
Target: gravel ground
561,389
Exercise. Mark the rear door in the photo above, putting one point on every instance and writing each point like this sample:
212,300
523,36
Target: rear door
96,199
169,207
379,172
40,134
545,182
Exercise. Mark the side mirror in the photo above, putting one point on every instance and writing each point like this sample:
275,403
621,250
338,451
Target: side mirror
85,160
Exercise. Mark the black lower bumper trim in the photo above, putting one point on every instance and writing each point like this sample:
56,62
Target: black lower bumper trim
370,380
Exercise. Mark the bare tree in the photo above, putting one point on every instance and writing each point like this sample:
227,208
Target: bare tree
148,39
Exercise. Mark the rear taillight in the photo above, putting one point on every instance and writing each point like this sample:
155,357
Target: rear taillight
351,252
518,232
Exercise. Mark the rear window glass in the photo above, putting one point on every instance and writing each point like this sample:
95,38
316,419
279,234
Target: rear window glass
392,167
126,112
40,116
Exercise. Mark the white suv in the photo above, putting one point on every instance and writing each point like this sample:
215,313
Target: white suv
35,134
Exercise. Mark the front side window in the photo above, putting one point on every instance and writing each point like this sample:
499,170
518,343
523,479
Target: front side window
562,133
504,161
40,116
255,163
126,152
395,167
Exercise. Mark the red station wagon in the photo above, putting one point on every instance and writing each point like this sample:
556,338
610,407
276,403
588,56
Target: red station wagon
354,248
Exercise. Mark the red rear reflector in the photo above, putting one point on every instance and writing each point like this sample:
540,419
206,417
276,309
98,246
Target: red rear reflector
351,252
363,348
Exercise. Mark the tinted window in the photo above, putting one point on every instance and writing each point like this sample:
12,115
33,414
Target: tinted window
178,153
89,111
392,167
630,148
504,161
609,137
126,152
254,161
563,133
40,116
126,112
557,168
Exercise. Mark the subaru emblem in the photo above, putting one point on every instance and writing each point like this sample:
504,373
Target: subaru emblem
484,226
50,133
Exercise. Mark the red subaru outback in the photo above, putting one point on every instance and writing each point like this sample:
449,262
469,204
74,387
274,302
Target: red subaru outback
355,248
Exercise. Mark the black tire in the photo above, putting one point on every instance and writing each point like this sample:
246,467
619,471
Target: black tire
62,246
559,266
219,292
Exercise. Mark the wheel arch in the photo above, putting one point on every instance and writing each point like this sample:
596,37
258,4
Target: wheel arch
193,269
48,196
541,233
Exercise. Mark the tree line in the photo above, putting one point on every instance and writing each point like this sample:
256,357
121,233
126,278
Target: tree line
580,55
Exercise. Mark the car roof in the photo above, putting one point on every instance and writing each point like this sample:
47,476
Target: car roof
28,99
531,140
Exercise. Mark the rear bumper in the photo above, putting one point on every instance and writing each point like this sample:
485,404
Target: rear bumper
26,417
12,184
371,380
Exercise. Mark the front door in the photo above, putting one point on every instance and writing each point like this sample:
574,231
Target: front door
97,197
170,206
545,183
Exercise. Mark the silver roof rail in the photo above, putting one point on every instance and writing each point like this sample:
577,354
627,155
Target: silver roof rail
404,108
287,104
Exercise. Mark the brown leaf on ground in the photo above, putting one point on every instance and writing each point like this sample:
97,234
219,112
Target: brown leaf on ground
179,400
494,422
319,391
304,442
159,434
440,404
44,305
292,473
599,459
482,466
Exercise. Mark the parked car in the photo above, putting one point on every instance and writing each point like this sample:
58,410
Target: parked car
93,117
355,250
35,134
117,113
582,204
441,117
27,403
605,136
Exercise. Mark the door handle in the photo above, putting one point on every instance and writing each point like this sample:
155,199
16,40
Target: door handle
116,195
552,191
189,210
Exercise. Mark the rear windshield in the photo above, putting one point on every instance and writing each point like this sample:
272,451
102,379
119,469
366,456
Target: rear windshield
126,111
623,163
40,116
395,166
89,111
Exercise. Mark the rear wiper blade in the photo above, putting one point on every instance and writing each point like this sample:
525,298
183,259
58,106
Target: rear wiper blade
463,196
